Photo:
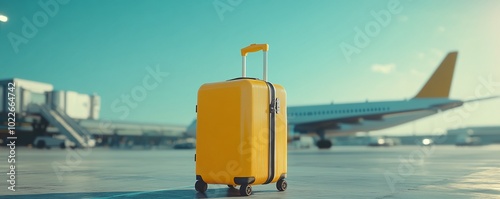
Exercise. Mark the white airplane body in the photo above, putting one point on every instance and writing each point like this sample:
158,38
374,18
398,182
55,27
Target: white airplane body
369,116
345,119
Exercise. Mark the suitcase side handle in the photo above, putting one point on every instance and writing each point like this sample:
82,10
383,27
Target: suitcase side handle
254,48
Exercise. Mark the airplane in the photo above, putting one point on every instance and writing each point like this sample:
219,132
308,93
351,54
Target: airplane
346,119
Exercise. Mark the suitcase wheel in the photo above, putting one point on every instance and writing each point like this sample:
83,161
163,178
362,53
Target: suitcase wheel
231,186
281,185
245,190
200,186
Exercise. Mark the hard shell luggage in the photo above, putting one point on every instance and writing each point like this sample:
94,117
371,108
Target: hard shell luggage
241,132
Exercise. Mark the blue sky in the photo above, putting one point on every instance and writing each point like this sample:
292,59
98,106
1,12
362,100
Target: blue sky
106,47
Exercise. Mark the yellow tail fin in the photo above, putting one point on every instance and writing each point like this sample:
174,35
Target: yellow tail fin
438,86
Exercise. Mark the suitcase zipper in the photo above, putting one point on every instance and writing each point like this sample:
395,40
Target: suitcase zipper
272,132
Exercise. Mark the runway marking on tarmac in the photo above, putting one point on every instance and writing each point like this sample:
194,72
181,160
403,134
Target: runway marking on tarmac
143,192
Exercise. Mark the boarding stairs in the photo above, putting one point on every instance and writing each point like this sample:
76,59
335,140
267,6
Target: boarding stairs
67,126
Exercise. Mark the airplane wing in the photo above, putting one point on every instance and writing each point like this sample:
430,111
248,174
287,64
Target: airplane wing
480,99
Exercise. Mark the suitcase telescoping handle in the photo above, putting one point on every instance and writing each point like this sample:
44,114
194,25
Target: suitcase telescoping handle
250,49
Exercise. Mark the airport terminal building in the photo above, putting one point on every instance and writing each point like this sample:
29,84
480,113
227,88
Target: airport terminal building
42,111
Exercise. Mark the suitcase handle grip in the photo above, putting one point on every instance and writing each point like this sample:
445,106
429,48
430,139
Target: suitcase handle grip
254,48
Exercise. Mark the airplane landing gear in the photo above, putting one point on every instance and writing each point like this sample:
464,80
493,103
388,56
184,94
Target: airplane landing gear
324,144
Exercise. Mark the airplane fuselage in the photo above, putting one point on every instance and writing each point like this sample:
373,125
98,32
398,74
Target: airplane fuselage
367,116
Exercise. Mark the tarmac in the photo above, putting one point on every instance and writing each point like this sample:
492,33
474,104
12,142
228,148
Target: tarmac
341,172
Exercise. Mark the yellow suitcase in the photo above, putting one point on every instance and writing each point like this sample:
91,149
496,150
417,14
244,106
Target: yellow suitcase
241,132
